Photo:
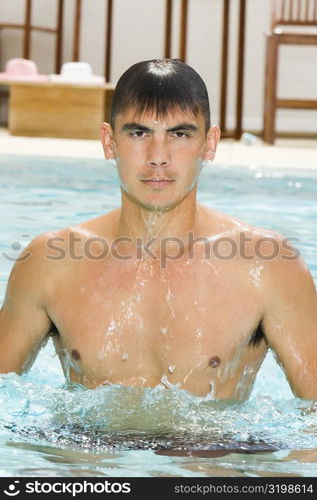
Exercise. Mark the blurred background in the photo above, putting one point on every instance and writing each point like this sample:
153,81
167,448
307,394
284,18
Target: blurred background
224,40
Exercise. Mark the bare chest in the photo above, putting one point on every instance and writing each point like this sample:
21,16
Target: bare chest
189,325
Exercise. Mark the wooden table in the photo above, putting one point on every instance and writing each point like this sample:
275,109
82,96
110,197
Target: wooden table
58,110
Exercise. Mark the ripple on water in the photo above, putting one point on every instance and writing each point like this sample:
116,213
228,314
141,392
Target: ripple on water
118,417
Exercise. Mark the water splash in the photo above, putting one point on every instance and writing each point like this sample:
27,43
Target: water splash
164,417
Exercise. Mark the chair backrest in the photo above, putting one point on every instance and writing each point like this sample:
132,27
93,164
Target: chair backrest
294,12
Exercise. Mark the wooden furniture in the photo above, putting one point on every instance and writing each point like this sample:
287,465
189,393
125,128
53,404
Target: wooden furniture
108,32
58,110
236,133
183,30
109,89
27,28
184,15
108,36
303,14
108,41
184,7
168,28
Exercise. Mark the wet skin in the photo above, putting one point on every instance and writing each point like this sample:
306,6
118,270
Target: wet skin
132,322
202,322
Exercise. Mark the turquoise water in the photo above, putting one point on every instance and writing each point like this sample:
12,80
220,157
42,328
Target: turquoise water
50,428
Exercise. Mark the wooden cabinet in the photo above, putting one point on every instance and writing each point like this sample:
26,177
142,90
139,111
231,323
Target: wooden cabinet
58,110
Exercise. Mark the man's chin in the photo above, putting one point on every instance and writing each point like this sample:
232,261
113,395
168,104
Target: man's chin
158,206
154,202
157,201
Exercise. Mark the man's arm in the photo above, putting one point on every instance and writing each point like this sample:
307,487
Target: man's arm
290,323
23,320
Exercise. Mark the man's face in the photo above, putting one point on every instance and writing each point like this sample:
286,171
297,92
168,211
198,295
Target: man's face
159,159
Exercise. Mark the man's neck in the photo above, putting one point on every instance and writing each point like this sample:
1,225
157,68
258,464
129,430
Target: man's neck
136,221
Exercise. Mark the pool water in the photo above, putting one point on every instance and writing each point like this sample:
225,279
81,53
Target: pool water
50,428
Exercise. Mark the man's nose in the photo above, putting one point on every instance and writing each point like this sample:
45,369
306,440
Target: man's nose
157,162
158,154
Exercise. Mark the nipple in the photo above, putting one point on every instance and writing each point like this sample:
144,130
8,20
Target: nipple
214,362
75,355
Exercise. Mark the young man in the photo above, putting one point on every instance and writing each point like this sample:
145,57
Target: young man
170,292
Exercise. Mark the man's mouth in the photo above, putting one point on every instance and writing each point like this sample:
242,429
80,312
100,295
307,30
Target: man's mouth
158,181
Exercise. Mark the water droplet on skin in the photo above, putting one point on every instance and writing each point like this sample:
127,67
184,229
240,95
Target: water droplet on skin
199,333
166,384
124,356
255,275
212,394
171,368
164,331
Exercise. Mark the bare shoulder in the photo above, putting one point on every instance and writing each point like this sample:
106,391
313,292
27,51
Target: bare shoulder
60,244
213,222
277,254
286,271
33,263
29,273
283,268
33,255
219,224
101,226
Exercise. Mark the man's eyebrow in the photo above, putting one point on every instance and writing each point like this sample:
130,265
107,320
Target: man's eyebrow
183,126
134,126
137,126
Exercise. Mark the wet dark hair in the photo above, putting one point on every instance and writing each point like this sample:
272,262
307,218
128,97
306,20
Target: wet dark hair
161,85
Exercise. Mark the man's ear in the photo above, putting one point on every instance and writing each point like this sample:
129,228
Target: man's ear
106,136
213,137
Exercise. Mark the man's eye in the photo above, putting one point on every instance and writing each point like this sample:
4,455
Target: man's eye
138,133
181,134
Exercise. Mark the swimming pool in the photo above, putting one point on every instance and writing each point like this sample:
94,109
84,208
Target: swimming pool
48,428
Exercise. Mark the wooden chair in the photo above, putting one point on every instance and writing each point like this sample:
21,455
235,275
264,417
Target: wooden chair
27,28
286,13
